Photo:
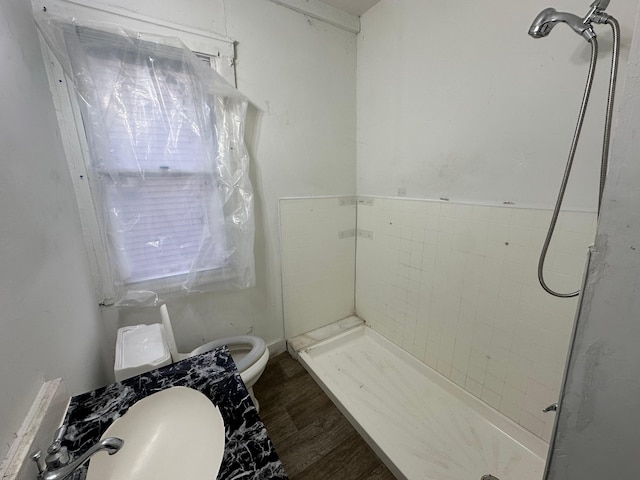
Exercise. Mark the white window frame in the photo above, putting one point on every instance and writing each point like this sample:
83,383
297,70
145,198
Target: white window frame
218,48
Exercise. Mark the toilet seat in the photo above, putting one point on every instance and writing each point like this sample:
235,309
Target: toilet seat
257,349
256,346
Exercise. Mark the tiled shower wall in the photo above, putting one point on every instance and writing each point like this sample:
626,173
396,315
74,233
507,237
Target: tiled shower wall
456,286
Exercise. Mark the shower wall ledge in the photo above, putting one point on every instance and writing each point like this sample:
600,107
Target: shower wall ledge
306,340
362,197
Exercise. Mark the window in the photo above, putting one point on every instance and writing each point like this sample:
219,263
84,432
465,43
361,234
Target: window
167,164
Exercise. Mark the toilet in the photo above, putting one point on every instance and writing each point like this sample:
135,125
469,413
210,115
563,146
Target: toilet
143,348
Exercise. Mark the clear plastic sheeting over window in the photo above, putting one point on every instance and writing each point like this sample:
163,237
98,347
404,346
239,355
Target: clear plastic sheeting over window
167,162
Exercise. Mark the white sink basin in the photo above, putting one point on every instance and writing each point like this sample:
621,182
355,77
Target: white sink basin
173,434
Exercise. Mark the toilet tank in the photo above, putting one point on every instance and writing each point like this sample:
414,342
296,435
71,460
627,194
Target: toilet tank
140,349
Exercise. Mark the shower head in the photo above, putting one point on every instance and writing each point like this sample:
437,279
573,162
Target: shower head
542,24
550,17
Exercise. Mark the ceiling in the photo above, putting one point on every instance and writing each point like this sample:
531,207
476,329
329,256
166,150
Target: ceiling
355,7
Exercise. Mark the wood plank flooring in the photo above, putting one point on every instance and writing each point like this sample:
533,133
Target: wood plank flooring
313,439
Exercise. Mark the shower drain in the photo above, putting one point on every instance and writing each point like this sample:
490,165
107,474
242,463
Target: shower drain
488,477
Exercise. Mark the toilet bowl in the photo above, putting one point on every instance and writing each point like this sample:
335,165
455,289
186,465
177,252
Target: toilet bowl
134,355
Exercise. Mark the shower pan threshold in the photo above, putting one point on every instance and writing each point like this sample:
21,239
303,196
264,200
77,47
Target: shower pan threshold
420,424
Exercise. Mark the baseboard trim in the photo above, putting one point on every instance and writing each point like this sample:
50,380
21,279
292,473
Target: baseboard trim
277,347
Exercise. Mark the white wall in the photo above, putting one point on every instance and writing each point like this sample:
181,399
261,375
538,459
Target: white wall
455,100
49,325
206,15
299,76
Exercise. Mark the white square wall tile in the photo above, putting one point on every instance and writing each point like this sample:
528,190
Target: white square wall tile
473,387
490,397
542,218
447,210
458,377
579,222
443,367
511,410
531,423
481,213
501,215
498,370
494,384
461,357
523,217
464,211
476,372
513,395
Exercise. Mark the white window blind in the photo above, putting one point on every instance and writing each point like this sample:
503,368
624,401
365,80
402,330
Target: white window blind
160,226
164,214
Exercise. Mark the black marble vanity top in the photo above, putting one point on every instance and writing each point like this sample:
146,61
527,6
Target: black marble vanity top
248,454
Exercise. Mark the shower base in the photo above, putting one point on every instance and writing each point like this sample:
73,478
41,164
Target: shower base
420,424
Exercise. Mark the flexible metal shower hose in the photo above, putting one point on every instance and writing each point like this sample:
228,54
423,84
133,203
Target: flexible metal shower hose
613,23
615,27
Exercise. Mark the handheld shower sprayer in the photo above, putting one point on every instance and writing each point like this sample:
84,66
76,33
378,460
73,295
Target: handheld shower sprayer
550,17
541,27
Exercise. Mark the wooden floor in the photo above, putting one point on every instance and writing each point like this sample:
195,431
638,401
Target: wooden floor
312,438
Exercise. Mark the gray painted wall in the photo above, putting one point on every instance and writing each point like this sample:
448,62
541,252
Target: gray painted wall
599,422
